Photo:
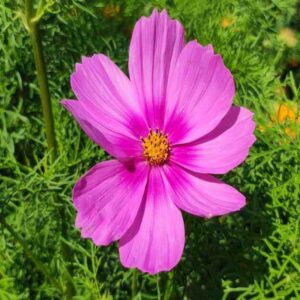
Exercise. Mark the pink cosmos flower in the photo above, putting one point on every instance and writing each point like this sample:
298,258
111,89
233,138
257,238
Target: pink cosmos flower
169,126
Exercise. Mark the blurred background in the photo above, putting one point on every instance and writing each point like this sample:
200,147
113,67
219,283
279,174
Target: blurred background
253,254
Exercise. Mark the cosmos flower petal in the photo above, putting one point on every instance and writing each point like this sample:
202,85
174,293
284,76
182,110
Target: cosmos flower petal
108,95
113,142
201,194
107,199
200,93
155,241
221,150
154,49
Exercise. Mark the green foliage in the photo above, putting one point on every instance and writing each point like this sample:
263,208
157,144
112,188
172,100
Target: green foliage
254,254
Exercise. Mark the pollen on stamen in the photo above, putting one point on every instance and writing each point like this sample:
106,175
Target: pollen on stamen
156,147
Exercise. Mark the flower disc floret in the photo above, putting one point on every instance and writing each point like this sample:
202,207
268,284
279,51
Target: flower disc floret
156,147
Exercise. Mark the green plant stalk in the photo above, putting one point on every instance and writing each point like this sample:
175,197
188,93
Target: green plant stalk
36,40
134,284
39,265
168,290
158,286
35,36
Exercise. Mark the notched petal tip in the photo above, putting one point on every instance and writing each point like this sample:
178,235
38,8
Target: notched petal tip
208,50
63,102
78,65
159,14
164,12
196,44
86,60
155,12
68,104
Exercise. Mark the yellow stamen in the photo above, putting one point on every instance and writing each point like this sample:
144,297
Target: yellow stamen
156,147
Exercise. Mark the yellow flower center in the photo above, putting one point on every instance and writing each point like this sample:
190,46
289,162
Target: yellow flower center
156,147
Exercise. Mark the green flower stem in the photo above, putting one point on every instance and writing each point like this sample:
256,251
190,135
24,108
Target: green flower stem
37,47
134,284
36,40
39,265
168,290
